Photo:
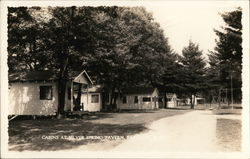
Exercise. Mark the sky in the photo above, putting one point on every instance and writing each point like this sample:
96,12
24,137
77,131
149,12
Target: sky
181,20
191,21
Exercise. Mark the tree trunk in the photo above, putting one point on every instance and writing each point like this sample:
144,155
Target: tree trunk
79,92
115,97
62,84
191,102
61,97
165,101
111,99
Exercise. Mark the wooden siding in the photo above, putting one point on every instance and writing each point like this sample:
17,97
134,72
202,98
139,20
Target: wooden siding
140,105
81,79
88,105
24,99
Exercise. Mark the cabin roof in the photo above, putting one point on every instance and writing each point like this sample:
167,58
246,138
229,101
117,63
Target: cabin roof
48,75
139,90
93,89
32,76
170,95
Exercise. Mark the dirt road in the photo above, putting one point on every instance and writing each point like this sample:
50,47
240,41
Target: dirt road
195,131
191,132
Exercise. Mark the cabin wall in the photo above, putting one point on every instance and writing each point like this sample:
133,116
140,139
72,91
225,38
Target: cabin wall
24,99
171,104
140,105
90,106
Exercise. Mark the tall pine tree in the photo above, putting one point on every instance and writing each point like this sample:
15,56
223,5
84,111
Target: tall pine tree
226,59
193,70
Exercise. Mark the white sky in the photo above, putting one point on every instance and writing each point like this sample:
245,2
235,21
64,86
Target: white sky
182,21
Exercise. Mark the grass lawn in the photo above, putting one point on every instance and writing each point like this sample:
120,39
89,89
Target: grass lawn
228,133
46,134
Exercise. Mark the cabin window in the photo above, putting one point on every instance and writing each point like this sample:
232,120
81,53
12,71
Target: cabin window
136,99
45,92
146,99
95,98
69,93
124,99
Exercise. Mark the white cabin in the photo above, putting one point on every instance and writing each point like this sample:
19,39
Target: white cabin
36,92
139,98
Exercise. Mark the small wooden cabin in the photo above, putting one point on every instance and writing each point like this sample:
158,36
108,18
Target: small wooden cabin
92,98
36,92
139,98
171,100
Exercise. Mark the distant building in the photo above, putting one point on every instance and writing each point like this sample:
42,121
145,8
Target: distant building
139,98
196,100
171,100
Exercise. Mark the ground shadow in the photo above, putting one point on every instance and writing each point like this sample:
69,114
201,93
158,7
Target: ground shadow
94,116
138,111
180,108
37,135
29,134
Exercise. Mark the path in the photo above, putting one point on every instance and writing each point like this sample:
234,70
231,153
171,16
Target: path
191,132
194,131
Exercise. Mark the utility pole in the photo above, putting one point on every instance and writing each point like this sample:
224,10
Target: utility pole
232,91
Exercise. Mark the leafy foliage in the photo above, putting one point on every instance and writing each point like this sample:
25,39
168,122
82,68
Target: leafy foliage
119,46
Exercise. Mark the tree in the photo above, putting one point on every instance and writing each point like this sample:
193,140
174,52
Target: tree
41,44
226,59
25,45
129,50
119,46
193,70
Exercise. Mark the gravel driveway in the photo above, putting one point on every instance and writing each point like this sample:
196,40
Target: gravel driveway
191,132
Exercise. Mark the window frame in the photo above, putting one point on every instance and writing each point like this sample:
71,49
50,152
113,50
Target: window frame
98,99
169,99
143,99
45,97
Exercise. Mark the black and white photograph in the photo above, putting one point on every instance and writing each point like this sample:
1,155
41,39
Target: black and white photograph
147,79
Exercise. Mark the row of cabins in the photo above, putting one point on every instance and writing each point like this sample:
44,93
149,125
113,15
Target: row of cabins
36,93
